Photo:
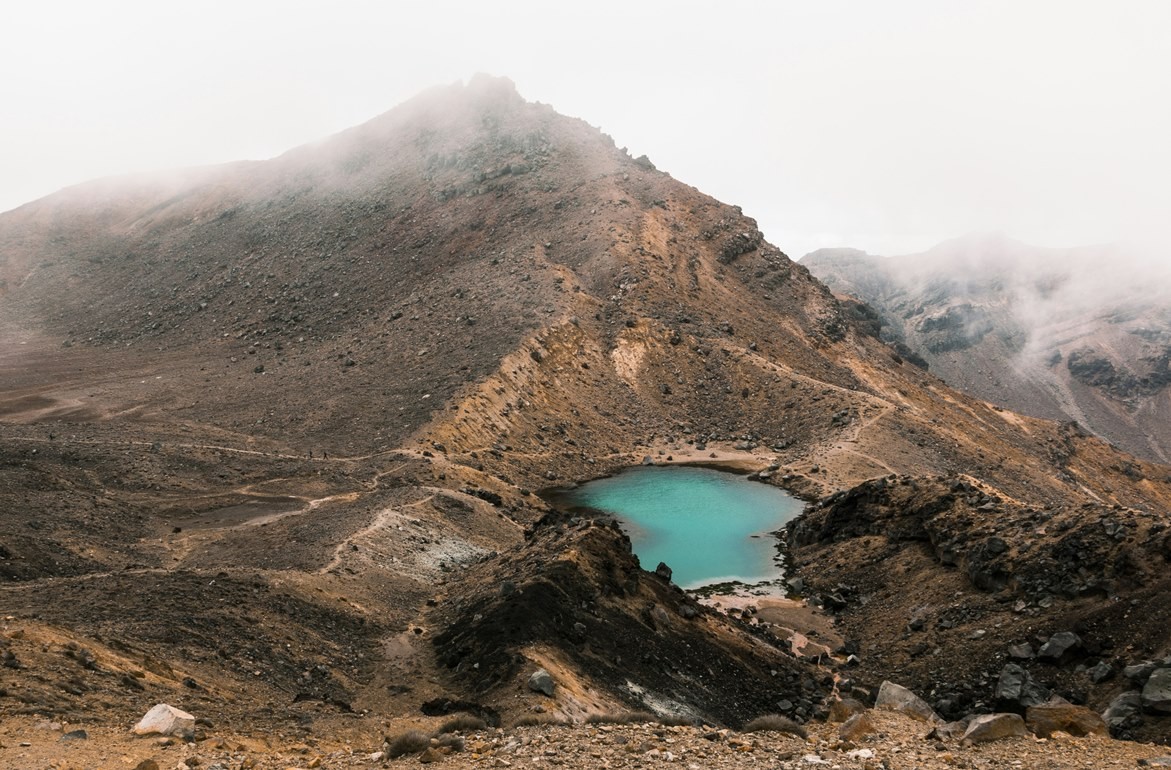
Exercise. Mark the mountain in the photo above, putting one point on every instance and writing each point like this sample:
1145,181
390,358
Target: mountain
1067,334
270,435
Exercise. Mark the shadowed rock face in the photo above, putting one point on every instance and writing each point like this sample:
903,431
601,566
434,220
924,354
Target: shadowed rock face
1079,335
1011,576
307,399
580,590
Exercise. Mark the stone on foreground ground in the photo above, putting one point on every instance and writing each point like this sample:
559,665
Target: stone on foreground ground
1045,720
898,698
165,719
994,727
899,742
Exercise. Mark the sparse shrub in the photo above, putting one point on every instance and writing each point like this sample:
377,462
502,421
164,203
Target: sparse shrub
621,718
451,742
775,723
464,723
542,720
410,742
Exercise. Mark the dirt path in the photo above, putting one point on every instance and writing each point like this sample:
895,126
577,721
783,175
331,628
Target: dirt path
207,447
380,520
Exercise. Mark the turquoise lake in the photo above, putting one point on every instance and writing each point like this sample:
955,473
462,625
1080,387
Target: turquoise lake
708,526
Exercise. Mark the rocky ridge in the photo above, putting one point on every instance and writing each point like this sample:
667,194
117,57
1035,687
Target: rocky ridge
1068,334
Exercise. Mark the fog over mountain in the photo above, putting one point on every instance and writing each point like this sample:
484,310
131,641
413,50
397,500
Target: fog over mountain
888,127
1075,334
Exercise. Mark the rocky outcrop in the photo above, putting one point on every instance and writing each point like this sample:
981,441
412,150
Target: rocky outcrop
579,589
1047,332
1092,550
1038,570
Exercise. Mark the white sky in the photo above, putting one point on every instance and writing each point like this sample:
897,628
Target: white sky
887,126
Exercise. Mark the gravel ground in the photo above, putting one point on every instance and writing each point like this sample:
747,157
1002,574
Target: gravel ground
898,744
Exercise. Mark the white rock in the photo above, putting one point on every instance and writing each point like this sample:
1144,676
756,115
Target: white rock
164,719
860,754
813,759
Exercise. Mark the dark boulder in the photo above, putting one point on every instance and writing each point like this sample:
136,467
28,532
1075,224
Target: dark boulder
1023,651
540,681
1059,645
1123,709
1016,689
1100,672
1157,692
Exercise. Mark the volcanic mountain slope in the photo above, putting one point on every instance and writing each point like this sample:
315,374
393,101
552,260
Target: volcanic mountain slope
1068,334
270,432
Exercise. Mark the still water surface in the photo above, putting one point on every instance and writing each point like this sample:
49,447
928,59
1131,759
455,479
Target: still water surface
709,526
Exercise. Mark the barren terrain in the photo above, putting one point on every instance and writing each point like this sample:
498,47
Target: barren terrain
271,436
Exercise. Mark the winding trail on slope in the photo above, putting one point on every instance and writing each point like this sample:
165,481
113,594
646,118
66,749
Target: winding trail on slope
825,452
379,522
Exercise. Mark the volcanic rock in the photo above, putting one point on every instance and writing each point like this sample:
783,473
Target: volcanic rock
165,719
994,727
1048,718
1023,651
898,698
541,681
589,572
950,731
1123,708
1100,672
1059,645
1157,691
1017,688
1140,672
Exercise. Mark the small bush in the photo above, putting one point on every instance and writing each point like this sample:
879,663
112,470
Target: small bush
775,723
465,723
411,742
452,742
542,720
621,718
